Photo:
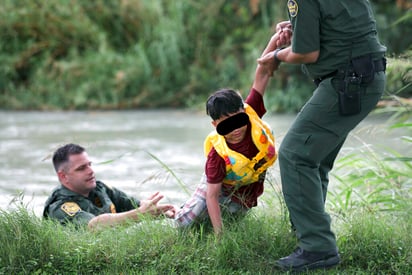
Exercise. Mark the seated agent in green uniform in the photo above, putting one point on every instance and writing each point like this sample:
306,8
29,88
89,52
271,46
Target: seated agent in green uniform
82,200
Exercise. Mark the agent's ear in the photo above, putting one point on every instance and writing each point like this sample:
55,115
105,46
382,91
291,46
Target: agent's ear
214,123
62,176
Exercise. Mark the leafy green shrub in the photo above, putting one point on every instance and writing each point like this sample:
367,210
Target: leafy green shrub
145,54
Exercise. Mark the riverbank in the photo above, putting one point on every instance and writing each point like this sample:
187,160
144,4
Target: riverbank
370,208
369,243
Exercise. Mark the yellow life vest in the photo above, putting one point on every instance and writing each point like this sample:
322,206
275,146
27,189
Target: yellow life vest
241,170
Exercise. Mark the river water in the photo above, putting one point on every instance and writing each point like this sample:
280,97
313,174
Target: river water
137,151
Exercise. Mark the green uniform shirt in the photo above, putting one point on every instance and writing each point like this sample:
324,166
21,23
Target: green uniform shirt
67,206
338,29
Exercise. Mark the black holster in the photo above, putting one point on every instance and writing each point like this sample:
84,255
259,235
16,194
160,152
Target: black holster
360,72
349,95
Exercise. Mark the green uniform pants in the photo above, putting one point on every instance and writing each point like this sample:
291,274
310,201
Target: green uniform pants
307,154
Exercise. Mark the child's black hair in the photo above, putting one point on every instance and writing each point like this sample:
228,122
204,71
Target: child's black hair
223,103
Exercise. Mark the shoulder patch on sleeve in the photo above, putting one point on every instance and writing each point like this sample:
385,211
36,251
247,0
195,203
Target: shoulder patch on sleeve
70,208
293,8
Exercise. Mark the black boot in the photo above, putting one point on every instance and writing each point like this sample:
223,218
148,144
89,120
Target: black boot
301,260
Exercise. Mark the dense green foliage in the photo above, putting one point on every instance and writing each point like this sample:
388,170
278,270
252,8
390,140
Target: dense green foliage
62,54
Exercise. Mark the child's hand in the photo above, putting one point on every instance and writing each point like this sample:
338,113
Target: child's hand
171,213
284,31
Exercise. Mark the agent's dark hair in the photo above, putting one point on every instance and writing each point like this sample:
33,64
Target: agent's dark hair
62,154
223,103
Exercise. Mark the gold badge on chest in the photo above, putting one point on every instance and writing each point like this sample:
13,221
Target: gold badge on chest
70,208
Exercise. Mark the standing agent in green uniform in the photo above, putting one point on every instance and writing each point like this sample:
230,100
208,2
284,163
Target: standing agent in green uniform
82,200
337,43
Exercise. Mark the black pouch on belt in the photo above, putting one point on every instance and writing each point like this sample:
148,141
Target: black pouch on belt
349,95
364,67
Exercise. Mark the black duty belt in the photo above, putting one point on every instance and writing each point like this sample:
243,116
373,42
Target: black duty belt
379,65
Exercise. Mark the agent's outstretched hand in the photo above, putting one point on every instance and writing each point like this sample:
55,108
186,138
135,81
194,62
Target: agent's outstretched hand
150,206
268,62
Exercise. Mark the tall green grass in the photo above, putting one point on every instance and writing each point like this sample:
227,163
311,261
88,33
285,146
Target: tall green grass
376,178
371,210
369,243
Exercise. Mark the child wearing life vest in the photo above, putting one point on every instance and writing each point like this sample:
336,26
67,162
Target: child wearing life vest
238,152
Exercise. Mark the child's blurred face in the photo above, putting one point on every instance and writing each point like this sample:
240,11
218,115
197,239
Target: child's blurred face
237,134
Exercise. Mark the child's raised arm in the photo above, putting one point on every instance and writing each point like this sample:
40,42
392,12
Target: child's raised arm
265,71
